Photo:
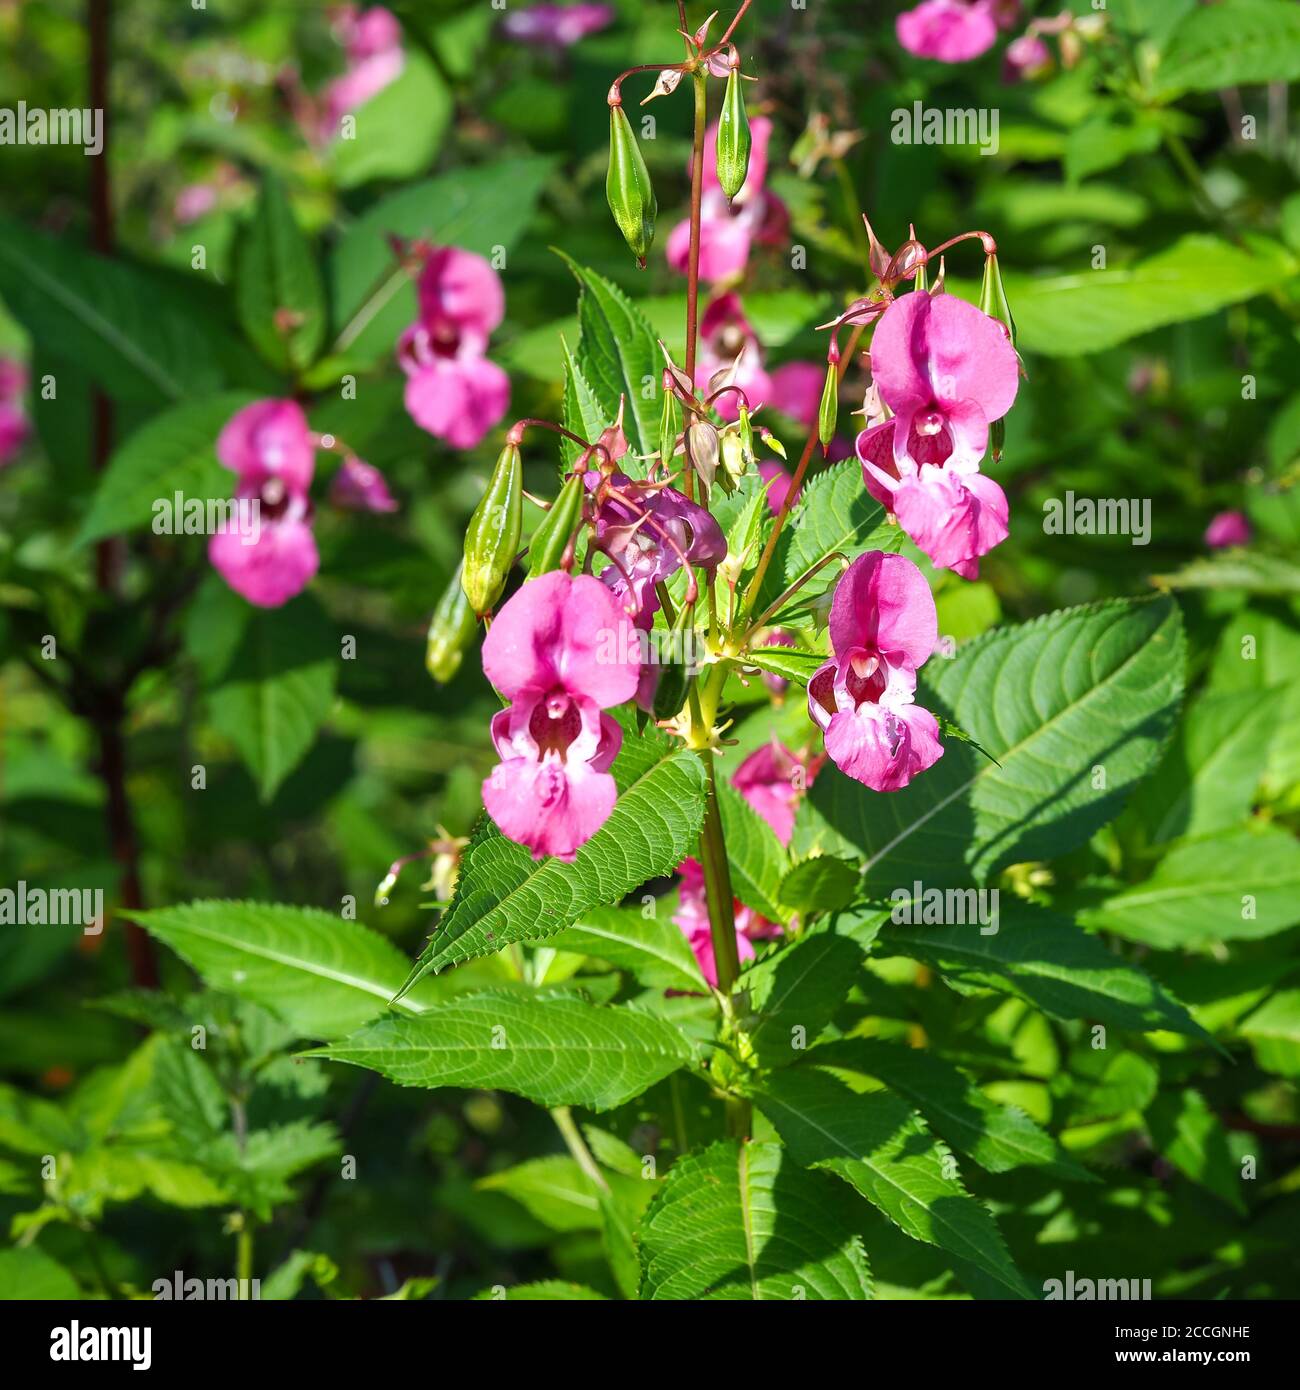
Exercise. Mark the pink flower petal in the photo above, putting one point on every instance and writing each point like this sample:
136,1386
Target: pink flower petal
269,439
883,603
948,31
458,400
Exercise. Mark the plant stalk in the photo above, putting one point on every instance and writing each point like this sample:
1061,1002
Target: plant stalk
698,79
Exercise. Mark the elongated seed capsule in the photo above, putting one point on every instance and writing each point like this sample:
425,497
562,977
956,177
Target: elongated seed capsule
829,410
492,537
733,138
546,549
670,425
993,297
451,631
627,186
993,302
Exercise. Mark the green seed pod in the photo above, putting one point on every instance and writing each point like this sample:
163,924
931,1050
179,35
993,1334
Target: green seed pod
829,410
997,438
746,433
551,539
670,426
628,188
993,297
492,537
993,302
451,630
670,693
733,138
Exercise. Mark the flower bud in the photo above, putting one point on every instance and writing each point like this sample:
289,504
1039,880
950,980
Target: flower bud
702,444
828,411
551,539
628,188
492,537
733,138
451,630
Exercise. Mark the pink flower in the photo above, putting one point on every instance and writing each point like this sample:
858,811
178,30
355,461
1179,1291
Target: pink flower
1228,528
772,779
728,231
269,554
725,336
883,627
273,560
797,391
193,201
646,536
365,33
462,300
561,651
692,916
452,389
13,430
778,483
947,371
13,422
269,439
949,31
373,40
1025,57
358,486
556,26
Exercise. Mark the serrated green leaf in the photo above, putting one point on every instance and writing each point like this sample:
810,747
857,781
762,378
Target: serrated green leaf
1208,780
477,209
1231,44
821,884
1089,310
1054,702
655,951
399,129
1189,1134
835,512
504,895
278,291
791,663
758,859
998,1137
618,353
584,415
1237,885
29,1273
1048,962
741,1221
278,689
882,1149
173,452
137,332
794,992
553,1049
322,974
543,1291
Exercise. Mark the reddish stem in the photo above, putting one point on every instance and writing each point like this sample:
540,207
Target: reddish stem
765,559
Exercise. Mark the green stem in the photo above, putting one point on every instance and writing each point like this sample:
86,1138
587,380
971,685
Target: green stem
698,80
577,1145
244,1258
717,883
